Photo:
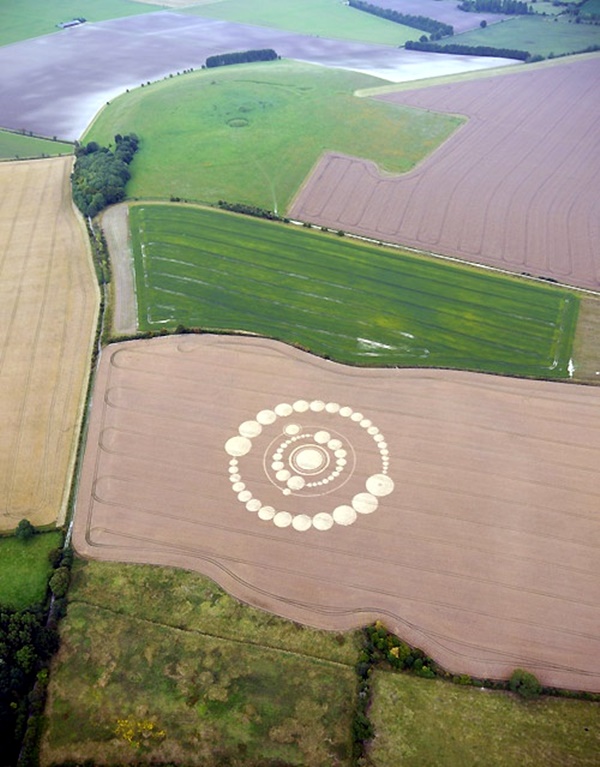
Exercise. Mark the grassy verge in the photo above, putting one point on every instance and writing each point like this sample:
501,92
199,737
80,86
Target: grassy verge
15,146
25,568
356,303
537,34
23,19
228,685
421,723
586,346
321,18
249,134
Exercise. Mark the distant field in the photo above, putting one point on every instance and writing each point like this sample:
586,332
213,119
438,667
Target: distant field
24,569
354,302
225,683
536,34
22,19
251,134
14,146
321,18
591,7
430,722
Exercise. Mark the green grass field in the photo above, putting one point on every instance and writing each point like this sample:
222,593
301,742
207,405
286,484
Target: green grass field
426,723
225,683
537,34
15,146
321,18
354,302
591,8
25,569
22,19
252,133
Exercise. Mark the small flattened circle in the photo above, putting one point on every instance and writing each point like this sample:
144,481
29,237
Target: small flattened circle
284,409
266,513
238,446
344,515
301,522
253,504
322,521
380,485
244,496
317,405
282,519
250,429
300,406
266,417
365,503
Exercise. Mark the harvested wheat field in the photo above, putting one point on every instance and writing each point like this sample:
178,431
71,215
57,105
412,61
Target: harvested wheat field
460,508
517,187
48,305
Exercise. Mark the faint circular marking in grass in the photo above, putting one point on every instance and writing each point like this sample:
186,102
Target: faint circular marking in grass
238,122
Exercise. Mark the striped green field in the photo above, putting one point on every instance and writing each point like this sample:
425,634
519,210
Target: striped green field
355,303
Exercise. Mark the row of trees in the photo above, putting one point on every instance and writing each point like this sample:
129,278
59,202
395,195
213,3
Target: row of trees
468,50
424,23
509,7
241,57
100,175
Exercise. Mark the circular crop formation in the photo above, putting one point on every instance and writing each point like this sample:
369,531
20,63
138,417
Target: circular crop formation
309,461
238,122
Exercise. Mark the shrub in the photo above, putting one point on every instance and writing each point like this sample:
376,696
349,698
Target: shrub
525,684
25,530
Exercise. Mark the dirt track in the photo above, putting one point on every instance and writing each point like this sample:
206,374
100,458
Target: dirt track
48,304
516,188
460,508
115,225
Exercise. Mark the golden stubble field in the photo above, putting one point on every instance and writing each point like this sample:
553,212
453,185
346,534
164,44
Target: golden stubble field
48,307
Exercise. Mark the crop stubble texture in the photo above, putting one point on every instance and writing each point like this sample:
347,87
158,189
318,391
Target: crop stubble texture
48,305
485,553
517,187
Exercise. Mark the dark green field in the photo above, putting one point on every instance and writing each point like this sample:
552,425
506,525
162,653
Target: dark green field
358,304
24,569
223,683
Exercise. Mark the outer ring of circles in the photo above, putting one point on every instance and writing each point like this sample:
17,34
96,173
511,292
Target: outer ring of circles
376,486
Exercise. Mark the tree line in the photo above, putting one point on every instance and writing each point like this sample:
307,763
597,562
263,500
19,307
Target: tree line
241,57
100,175
424,23
508,7
468,50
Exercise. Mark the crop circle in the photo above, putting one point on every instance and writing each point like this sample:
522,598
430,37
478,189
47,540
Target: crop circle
308,461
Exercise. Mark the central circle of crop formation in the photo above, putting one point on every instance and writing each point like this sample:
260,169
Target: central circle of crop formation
308,462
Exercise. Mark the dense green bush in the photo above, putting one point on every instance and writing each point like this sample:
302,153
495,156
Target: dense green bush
100,176
468,50
525,684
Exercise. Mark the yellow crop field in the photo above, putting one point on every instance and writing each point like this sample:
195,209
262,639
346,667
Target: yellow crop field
48,307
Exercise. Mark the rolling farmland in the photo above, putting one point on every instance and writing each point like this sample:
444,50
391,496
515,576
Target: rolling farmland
48,305
353,302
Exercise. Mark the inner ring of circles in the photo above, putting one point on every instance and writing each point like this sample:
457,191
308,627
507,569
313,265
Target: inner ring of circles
308,461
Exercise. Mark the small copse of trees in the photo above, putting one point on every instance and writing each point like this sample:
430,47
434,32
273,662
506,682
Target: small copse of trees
241,57
424,23
508,7
468,50
100,175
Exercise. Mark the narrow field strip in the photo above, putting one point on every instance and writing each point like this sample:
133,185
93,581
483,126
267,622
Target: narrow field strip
356,303
48,305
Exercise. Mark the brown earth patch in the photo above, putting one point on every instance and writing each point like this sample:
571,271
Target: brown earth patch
516,188
462,509
48,304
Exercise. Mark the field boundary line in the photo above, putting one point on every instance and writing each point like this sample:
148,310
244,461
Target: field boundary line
211,635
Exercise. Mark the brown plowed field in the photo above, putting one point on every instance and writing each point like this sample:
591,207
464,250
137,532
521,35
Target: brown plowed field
517,187
462,509
48,305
